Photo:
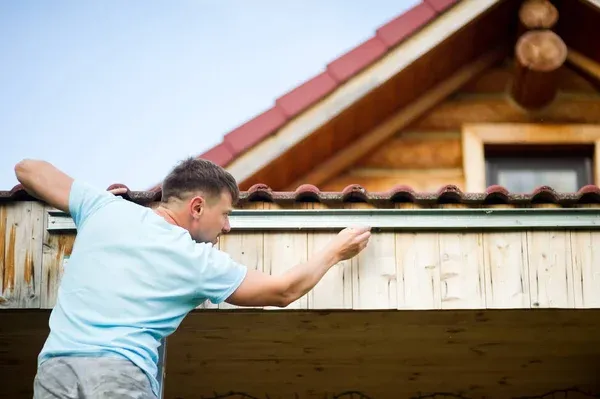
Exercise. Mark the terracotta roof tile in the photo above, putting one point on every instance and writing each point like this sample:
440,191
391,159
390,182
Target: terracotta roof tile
448,194
441,5
406,24
305,95
220,154
356,59
255,130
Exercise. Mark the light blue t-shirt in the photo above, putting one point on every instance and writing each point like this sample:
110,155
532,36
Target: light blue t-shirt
130,280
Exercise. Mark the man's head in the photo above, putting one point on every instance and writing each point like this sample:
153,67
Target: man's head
199,195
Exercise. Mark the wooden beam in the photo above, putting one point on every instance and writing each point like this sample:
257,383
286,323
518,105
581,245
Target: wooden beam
370,141
539,55
452,115
587,67
537,14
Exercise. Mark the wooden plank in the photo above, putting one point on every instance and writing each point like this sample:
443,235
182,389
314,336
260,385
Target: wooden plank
246,248
282,251
383,354
473,161
418,262
382,180
506,270
550,269
461,272
597,162
21,229
56,252
370,141
425,152
374,279
586,268
334,291
453,114
497,80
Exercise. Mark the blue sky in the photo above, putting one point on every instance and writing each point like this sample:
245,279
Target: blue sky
119,91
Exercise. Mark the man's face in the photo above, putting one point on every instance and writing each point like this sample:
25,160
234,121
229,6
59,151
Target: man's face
210,217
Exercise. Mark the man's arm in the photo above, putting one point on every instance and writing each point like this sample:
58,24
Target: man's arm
44,181
262,289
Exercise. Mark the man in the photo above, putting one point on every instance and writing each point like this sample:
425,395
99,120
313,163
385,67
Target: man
134,273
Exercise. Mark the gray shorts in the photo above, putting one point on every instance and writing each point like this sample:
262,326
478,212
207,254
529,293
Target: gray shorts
91,378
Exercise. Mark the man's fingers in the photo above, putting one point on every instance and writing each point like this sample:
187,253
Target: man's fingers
363,237
119,190
360,229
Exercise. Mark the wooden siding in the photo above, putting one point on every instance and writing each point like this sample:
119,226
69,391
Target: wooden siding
386,355
427,154
399,270
443,354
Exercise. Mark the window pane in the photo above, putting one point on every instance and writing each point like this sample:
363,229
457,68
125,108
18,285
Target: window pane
525,181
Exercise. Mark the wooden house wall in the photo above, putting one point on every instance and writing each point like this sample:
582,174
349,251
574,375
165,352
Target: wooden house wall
398,270
427,154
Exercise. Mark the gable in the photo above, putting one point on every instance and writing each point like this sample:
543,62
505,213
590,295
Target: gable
412,53
359,89
427,154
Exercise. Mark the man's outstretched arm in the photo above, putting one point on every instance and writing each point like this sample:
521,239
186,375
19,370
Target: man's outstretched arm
262,289
44,181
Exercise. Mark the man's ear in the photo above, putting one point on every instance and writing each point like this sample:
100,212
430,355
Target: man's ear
197,206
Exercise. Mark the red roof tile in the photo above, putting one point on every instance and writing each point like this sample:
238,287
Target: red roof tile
254,131
354,193
306,94
406,24
336,72
441,5
356,59
220,154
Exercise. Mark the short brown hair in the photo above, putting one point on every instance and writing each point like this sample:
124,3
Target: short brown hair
196,174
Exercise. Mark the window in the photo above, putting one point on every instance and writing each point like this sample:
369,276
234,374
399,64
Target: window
522,157
523,169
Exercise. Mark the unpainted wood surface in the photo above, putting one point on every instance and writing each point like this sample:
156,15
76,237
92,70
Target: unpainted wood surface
424,180
453,113
476,354
21,232
22,335
375,106
427,154
377,354
398,270
449,270
499,78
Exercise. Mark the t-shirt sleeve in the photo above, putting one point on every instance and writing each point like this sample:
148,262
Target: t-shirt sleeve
219,275
85,199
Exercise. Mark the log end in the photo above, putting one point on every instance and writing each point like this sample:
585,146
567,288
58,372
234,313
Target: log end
538,14
541,51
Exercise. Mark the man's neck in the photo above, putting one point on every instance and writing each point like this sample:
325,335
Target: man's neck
167,214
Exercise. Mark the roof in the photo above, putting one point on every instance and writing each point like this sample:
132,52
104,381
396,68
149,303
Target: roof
287,108
354,194
338,71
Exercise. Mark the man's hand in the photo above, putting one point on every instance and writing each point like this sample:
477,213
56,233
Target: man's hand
350,242
263,289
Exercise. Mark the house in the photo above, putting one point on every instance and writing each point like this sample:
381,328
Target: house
467,134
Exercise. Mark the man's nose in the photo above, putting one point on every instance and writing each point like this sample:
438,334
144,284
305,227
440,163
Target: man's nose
226,228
